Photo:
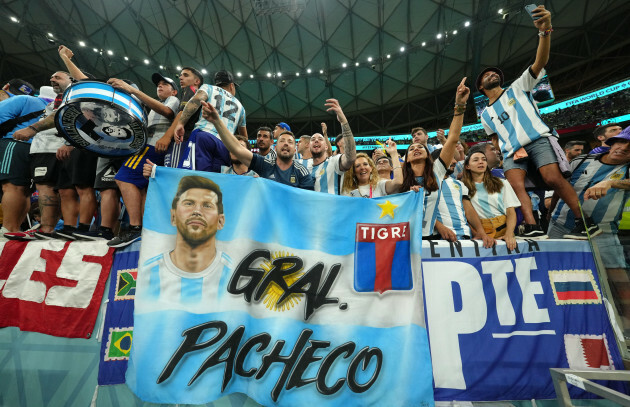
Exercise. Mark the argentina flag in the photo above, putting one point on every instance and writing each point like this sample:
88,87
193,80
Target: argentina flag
291,297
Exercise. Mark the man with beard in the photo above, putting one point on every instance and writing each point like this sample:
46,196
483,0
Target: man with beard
526,140
573,148
192,270
264,143
284,169
45,167
326,170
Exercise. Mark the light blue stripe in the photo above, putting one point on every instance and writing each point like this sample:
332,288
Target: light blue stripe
108,100
483,201
522,117
154,282
507,124
8,155
191,290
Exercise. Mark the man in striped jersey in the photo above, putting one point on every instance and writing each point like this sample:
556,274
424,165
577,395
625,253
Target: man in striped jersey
264,143
205,150
601,181
129,178
326,170
284,169
524,138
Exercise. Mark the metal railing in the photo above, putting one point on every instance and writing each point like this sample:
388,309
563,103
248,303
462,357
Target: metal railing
582,379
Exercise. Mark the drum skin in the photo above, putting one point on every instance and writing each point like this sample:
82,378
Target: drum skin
102,119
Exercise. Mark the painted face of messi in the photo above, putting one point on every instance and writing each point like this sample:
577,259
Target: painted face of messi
197,216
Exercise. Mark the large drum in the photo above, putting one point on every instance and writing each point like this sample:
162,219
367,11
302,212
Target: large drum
99,118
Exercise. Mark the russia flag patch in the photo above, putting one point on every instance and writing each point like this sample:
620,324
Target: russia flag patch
382,257
574,287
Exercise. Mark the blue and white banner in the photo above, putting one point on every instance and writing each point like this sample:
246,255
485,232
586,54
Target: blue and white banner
289,296
498,320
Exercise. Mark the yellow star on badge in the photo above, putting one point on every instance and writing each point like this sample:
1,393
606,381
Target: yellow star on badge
388,209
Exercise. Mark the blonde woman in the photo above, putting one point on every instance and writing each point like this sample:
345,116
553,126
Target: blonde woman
362,179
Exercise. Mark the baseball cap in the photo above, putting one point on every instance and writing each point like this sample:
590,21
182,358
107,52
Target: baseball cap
623,136
223,78
490,69
21,87
283,126
157,77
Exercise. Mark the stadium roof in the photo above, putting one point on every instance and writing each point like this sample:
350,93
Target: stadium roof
409,80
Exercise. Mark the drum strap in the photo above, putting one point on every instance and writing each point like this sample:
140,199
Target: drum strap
7,126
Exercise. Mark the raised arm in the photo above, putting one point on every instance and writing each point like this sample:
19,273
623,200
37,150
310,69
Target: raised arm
544,43
66,57
393,186
153,104
231,142
461,97
350,150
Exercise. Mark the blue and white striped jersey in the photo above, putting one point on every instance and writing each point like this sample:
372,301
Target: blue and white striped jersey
174,287
230,170
325,174
451,207
431,199
492,205
514,117
606,211
230,109
459,168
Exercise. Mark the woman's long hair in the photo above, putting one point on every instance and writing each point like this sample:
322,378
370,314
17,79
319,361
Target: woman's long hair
409,179
350,181
491,183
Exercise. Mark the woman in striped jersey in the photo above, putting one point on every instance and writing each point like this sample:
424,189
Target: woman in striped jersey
493,198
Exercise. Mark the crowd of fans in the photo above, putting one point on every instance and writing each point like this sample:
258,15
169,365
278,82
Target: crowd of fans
517,183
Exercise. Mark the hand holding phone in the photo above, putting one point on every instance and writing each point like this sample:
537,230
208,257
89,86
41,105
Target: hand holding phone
530,9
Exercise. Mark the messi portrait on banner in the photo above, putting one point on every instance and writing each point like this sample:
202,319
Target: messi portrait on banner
288,296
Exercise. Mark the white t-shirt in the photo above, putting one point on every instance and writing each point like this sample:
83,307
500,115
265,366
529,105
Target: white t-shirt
47,141
158,124
493,205
367,191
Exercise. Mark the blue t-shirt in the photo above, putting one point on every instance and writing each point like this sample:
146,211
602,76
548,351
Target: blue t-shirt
20,105
295,176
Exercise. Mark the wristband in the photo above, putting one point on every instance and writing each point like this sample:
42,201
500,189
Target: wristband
30,126
545,33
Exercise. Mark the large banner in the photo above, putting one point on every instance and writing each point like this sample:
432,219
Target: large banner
118,323
289,296
53,287
498,320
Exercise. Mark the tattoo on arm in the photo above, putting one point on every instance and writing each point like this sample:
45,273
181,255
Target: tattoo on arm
621,184
350,149
192,106
45,123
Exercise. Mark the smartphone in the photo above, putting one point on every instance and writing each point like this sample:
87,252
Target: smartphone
530,9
